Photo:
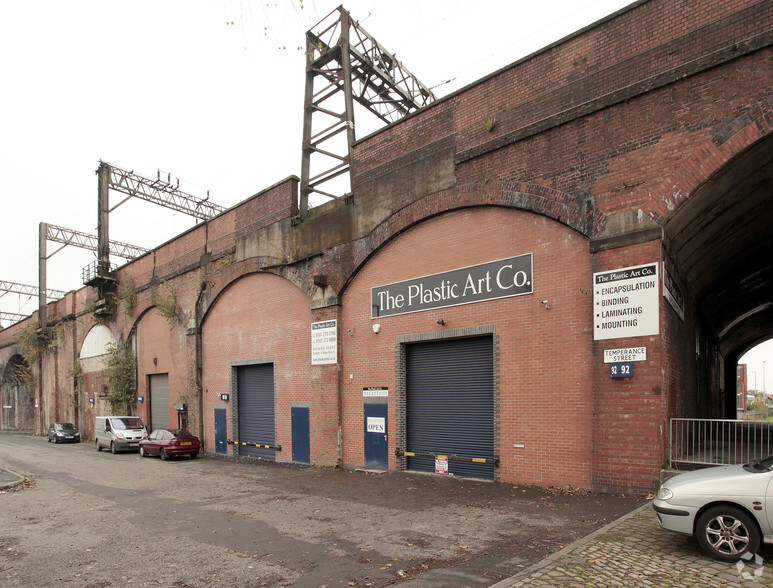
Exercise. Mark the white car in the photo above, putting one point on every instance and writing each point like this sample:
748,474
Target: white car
729,509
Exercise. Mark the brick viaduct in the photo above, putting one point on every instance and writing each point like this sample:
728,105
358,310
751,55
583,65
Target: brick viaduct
644,137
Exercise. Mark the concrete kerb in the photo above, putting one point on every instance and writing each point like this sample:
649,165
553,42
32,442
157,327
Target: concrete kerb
506,583
9,479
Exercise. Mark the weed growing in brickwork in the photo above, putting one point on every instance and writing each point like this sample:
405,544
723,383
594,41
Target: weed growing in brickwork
127,296
120,377
165,299
31,344
76,373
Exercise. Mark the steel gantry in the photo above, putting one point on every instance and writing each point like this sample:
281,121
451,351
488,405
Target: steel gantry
14,288
159,191
349,63
26,290
12,317
90,242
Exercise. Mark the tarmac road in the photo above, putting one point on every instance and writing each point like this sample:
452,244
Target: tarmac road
88,518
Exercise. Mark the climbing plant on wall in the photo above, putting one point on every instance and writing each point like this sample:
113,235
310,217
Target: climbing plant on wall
165,299
120,377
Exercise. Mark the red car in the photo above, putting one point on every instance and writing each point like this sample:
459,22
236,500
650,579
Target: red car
166,444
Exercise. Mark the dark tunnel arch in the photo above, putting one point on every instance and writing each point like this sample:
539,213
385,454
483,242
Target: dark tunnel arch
721,238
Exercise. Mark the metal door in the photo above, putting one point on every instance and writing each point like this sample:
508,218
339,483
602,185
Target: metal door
450,404
299,417
376,438
159,401
221,431
257,423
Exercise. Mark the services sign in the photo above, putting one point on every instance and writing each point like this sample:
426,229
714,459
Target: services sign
486,281
626,302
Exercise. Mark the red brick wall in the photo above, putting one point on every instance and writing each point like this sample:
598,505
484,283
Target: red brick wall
261,316
545,361
161,349
629,413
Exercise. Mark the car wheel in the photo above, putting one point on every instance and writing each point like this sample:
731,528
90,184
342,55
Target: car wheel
163,454
112,447
194,455
727,532
49,439
56,439
99,447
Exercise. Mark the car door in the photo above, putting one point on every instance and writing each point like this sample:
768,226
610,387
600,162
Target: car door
151,445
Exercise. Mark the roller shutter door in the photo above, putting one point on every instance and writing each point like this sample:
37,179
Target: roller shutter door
450,404
159,401
256,409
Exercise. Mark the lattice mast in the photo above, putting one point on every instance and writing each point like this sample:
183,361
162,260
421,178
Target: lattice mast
347,62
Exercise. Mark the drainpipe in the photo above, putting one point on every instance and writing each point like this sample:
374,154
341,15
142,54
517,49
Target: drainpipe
199,361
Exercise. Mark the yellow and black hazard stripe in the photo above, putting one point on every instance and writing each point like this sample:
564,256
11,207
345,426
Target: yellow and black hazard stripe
261,445
450,457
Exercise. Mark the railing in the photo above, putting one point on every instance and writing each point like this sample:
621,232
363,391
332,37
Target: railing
718,442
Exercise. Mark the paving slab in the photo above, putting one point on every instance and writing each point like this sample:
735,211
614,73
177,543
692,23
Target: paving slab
635,551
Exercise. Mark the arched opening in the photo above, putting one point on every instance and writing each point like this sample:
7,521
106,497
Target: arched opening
721,241
16,394
755,381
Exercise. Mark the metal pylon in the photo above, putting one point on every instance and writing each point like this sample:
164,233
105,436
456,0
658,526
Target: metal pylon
345,65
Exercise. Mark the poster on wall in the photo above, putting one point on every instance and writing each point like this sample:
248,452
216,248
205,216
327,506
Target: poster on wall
626,302
324,342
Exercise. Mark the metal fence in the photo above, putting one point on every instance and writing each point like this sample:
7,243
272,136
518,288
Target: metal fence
718,442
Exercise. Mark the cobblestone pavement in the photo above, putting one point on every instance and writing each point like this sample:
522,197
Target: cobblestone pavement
635,551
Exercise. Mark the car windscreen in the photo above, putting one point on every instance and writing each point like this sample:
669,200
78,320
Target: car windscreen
127,423
181,433
65,426
764,464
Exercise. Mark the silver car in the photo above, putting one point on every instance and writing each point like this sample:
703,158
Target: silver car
729,509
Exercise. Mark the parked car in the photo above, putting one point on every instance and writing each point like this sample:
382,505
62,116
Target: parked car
63,433
724,507
170,443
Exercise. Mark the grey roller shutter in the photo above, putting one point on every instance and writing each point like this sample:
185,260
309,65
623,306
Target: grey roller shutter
159,401
256,409
450,404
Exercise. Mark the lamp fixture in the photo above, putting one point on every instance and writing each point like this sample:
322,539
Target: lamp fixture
441,321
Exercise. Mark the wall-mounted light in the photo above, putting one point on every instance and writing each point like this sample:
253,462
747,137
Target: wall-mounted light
547,306
376,328
440,321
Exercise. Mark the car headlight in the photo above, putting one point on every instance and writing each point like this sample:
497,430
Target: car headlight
665,494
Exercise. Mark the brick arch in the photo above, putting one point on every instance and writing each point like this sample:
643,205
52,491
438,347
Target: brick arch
540,200
222,290
725,142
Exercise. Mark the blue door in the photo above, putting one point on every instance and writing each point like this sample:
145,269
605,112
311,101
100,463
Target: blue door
299,417
221,431
376,446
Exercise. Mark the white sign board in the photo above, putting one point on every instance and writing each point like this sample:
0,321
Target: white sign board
375,392
626,302
625,354
376,425
441,464
324,342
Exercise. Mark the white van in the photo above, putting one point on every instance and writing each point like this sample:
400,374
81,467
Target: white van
119,433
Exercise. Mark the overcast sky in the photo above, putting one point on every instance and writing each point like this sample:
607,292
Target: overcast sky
209,91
